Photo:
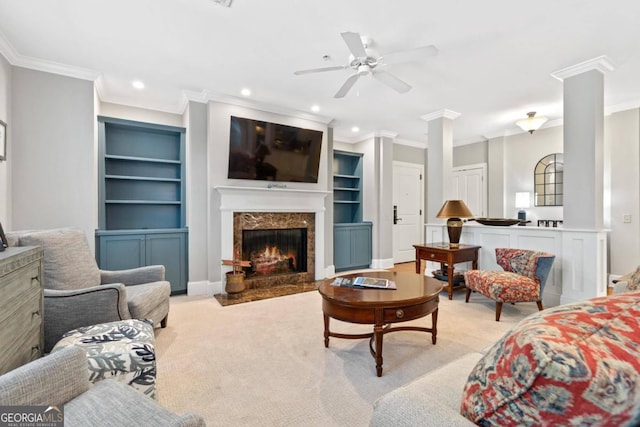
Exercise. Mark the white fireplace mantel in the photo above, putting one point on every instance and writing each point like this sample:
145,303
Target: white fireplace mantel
256,199
261,199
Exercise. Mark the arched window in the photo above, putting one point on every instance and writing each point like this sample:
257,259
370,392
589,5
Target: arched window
548,177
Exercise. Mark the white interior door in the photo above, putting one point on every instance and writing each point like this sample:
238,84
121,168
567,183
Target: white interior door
469,184
408,191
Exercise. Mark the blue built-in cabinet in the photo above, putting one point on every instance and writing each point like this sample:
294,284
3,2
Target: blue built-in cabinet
351,235
142,206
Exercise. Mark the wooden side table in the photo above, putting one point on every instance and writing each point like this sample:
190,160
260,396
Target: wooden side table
442,253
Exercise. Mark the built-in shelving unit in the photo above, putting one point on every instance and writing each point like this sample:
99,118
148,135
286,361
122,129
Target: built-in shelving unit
142,197
347,187
352,236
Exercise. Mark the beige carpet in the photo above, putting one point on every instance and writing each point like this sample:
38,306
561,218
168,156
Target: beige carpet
263,363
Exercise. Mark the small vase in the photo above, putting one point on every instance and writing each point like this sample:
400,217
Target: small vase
235,282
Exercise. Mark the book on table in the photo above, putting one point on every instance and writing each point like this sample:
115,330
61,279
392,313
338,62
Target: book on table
364,282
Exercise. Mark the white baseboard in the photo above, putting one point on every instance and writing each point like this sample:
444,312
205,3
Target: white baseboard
329,271
382,264
204,287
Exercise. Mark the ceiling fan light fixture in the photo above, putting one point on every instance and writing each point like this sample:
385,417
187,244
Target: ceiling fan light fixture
531,123
364,70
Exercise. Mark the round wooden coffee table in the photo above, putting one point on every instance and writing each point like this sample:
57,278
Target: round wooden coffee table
416,296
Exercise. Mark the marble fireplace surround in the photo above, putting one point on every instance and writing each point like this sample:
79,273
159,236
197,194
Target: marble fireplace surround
249,200
276,220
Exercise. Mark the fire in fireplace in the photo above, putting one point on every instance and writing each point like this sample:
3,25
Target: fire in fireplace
275,251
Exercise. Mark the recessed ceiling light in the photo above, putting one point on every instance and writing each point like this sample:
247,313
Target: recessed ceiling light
245,92
355,129
315,108
137,84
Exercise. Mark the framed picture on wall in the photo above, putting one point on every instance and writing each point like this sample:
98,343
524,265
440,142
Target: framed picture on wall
3,140
3,240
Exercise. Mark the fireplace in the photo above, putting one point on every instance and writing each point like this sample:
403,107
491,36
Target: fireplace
279,245
275,251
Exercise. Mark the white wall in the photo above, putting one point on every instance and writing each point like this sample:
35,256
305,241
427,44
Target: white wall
470,154
522,152
53,152
622,136
140,114
197,194
5,167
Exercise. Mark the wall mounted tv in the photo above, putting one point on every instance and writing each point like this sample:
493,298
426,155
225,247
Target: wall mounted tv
273,152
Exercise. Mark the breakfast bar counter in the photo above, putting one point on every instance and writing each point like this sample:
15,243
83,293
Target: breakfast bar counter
580,269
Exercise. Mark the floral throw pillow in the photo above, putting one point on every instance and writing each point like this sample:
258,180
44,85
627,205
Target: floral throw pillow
634,282
575,364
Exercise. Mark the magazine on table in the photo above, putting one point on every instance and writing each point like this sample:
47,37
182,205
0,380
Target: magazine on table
364,283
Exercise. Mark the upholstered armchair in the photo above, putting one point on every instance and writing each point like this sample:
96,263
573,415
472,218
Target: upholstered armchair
78,294
62,378
523,279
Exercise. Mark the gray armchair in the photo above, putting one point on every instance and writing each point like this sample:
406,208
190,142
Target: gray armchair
62,378
77,293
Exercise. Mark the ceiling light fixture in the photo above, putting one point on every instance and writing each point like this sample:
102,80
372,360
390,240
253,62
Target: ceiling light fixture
137,84
315,108
531,123
245,92
355,129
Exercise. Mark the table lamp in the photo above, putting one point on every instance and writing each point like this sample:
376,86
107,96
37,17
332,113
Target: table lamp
454,210
522,203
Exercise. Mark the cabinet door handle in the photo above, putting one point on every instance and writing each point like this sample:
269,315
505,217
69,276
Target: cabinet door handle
35,281
35,350
399,314
35,314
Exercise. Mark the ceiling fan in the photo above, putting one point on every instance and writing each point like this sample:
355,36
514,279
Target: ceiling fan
364,61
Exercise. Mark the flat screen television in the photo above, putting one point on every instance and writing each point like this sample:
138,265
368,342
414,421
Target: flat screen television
273,152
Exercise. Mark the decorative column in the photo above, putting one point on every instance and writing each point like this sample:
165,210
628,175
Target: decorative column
383,230
584,247
439,167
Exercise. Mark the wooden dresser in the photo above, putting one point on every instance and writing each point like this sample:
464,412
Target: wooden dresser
21,306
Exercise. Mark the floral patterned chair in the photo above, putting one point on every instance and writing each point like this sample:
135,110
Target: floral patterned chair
123,350
523,279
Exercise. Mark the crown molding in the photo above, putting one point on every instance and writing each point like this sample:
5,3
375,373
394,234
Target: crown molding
386,134
176,108
269,108
190,95
17,60
7,50
56,68
447,114
629,105
469,141
601,63
409,143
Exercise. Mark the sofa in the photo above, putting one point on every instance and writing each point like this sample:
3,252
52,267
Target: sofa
574,364
62,378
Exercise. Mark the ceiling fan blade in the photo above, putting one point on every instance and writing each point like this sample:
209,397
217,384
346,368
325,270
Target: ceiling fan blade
354,43
347,85
409,55
392,81
320,70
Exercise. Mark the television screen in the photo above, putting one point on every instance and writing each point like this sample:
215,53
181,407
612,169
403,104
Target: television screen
273,152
